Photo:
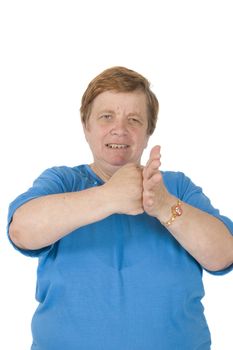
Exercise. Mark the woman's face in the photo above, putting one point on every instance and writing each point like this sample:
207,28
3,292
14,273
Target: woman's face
117,128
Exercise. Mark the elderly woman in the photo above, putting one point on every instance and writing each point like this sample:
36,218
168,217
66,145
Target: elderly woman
121,247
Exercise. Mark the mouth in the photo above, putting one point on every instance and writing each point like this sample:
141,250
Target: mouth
116,146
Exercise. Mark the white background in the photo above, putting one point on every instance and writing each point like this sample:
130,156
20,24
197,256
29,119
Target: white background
50,50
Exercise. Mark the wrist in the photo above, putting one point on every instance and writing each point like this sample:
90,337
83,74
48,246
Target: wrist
107,200
167,212
176,211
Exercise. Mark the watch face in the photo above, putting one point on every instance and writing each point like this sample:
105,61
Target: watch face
176,210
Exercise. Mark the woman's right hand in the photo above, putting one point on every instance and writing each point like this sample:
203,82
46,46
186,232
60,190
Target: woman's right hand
124,190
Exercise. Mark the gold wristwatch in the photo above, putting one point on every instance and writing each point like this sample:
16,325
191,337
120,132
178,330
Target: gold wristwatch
176,210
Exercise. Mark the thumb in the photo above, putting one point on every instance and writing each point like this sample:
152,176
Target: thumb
155,151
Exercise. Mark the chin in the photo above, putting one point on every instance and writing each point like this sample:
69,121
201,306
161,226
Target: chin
121,162
118,162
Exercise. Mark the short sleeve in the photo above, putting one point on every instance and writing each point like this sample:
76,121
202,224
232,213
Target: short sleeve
49,182
193,195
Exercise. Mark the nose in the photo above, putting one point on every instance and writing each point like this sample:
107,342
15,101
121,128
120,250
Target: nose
119,127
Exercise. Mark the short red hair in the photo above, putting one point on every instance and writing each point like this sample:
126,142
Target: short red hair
120,79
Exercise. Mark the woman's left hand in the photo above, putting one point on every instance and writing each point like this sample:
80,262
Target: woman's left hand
155,195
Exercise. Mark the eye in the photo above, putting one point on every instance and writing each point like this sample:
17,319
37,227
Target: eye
106,116
134,120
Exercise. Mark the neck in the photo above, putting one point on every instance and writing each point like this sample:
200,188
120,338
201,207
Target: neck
103,174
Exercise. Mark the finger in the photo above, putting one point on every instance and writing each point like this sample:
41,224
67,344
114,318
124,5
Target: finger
148,201
154,154
155,151
151,169
150,184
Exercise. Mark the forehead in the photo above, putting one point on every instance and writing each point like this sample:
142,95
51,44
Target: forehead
127,102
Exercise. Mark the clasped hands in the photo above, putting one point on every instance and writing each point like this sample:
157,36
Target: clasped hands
134,189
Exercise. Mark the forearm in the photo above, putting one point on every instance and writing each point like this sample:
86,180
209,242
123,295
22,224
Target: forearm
42,221
205,237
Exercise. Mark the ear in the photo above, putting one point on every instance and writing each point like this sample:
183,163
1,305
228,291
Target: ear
146,141
85,130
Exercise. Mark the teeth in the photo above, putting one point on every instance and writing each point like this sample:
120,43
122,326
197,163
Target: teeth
114,145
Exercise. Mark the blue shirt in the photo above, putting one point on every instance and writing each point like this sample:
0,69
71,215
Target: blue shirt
123,283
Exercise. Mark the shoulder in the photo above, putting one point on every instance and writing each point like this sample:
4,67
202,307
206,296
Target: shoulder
68,178
63,171
179,184
57,179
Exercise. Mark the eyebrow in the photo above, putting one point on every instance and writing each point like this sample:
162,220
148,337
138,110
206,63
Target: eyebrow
132,114
113,112
106,111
